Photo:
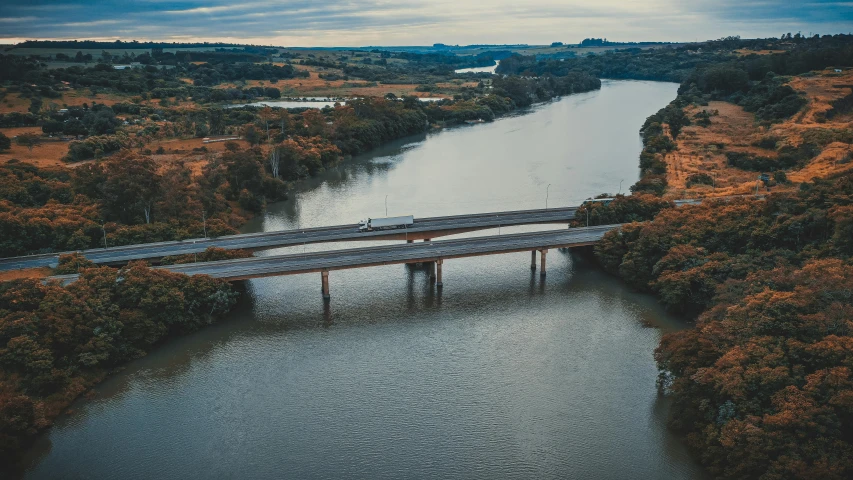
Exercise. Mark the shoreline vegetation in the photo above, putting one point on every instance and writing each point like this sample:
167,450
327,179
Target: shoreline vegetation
762,386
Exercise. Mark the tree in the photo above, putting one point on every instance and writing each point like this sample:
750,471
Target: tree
250,134
244,171
35,105
5,143
274,160
51,127
131,188
284,121
266,114
217,121
723,78
272,92
29,140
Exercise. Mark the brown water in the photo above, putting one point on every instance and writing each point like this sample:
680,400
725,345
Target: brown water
502,375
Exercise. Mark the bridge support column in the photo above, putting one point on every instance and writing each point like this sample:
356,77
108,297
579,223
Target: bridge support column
325,277
533,260
410,241
431,271
438,264
543,253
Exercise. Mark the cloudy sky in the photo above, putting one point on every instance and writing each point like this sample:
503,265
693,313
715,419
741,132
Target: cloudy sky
416,22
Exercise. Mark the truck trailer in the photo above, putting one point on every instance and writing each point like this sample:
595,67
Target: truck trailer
389,223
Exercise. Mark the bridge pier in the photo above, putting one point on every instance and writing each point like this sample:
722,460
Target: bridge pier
324,275
410,241
533,260
543,253
431,269
438,264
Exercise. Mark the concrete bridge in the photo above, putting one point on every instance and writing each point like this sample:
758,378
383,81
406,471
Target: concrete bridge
423,228
432,252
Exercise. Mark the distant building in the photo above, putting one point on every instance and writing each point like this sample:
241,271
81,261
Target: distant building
837,70
121,67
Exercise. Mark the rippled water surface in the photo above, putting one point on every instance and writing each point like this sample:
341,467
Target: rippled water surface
501,375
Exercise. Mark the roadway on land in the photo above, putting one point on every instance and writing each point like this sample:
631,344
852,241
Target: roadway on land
291,264
422,228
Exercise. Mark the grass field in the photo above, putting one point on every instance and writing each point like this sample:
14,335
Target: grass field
735,129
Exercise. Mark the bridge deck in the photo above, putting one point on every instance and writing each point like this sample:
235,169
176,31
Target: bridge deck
292,264
423,228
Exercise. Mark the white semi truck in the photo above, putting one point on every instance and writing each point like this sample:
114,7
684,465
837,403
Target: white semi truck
389,223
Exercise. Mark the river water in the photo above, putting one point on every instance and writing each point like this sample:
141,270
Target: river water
501,375
490,69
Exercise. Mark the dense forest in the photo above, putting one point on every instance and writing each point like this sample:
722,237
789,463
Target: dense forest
763,385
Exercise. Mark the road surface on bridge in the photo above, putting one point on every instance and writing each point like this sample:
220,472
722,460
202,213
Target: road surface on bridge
423,228
291,264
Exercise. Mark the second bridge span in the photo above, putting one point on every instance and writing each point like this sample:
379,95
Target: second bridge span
431,252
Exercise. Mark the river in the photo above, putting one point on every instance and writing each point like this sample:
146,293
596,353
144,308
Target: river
501,375
490,69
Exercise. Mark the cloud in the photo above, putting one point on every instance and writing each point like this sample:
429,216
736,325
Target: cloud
380,22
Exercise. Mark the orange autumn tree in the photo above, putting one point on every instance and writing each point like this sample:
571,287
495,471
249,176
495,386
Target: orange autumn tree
299,157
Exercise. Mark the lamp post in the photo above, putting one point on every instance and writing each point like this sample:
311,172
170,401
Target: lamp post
546,195
104,229
386,205
620,186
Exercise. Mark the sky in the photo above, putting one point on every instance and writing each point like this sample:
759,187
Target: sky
417,22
